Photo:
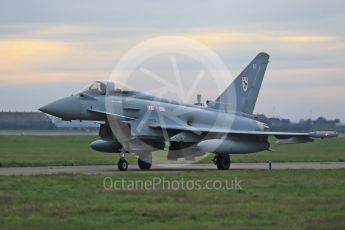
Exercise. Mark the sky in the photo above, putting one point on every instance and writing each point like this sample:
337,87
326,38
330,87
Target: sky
50,49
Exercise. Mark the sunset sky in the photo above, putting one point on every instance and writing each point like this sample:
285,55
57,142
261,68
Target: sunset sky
50,49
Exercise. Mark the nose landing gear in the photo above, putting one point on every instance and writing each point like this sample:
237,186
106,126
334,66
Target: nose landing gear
122,164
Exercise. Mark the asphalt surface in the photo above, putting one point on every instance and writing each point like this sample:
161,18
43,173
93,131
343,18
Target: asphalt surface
95,169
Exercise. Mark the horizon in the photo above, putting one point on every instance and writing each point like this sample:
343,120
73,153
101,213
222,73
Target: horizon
341,122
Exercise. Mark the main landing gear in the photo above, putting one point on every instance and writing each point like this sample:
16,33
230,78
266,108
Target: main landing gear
144,162
222,161
143,165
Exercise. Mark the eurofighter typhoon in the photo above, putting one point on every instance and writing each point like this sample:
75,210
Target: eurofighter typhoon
135,122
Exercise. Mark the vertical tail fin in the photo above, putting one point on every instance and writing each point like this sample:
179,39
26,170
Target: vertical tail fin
243,92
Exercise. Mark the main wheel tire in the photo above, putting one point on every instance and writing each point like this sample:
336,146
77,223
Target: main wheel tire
144,165
122,165
223,162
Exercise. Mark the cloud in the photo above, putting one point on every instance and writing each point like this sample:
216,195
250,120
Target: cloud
23,78
33,61
221,37
23,54
287,49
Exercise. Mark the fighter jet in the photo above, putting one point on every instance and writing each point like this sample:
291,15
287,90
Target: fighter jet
139,123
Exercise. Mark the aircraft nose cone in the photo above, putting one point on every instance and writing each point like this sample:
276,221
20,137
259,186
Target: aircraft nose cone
67,108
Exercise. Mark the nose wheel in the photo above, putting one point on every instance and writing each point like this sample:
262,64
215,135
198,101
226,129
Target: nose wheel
122,164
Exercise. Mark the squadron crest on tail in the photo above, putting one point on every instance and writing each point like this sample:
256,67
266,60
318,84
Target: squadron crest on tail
245,84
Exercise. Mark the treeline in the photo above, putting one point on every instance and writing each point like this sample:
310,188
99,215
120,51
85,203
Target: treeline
321,124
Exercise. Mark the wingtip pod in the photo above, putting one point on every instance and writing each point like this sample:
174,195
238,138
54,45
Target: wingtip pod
323,134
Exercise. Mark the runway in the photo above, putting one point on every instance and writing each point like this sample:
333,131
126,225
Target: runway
104,169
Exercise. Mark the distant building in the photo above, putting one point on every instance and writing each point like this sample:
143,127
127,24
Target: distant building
60,124
25,120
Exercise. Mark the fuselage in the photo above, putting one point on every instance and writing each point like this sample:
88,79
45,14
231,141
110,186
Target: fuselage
149,110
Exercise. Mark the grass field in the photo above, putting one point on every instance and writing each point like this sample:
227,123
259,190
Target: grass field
75,150
288,199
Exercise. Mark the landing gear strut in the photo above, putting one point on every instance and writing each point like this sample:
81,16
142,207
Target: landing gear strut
145,161
222,161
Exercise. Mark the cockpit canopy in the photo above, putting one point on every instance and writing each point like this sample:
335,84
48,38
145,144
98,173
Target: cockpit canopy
103,88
